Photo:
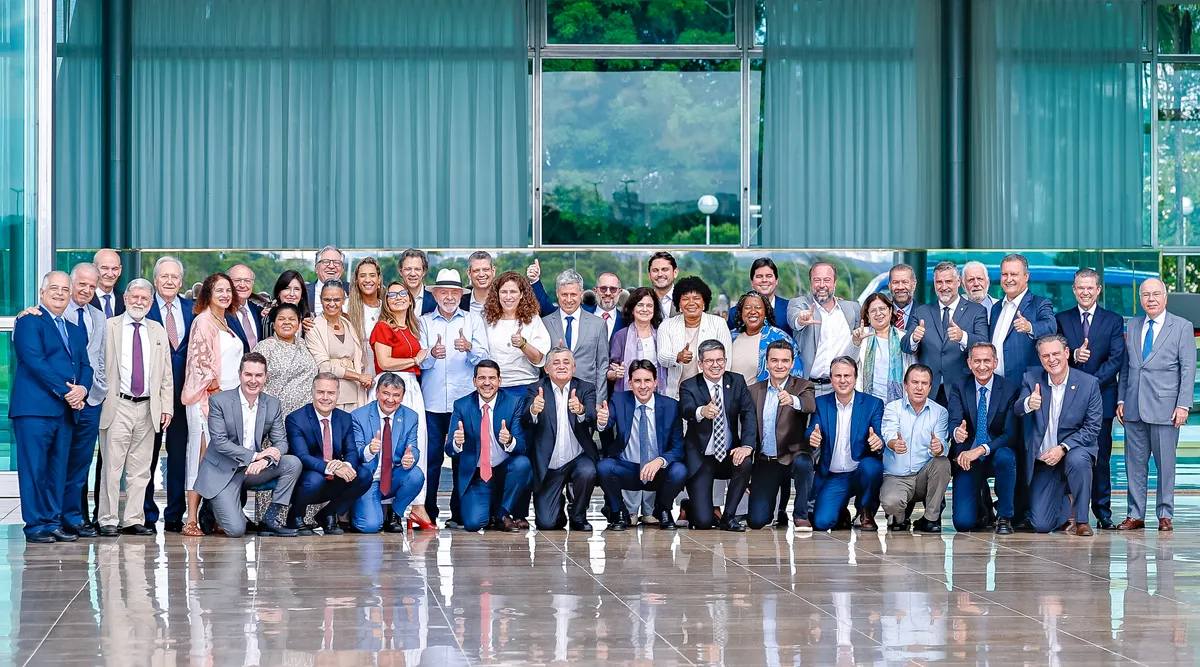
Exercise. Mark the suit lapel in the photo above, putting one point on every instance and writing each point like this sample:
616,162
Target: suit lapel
1160,335
1068,394
260,422
551,411
237,417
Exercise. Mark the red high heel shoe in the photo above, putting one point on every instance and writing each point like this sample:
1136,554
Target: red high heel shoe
417,523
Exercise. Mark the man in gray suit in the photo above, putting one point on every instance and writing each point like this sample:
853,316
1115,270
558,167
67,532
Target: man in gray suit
1153,401
822,325
939,333
234,462
81,312
581,332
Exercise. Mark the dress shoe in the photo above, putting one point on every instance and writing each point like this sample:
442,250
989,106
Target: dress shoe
396,525
170,526
782,520
924,525
1004,526
1106,524
1164,525
270,525
802,525
665,522
452,524
621,522
506,524
40,537
80,530
606,513
111,531
583,527
330,526
843,522
868,524
206,519
1024,526
648,519
1131,524
1068,527
61,535
522,524
137,529
1083,529
897,526
733,525
302,529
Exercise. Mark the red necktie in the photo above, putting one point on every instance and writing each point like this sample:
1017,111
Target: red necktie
172,329
326,443
485,445
385,476
898,321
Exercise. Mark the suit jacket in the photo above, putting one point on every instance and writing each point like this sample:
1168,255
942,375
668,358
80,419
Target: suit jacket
508,409
227,453
739,414
178,355
365,424
590,349
45,366
543,433
1000,420
118,302
1019,352
866,414
1078,421
807,337
791,425
780,307
157,357
947,358
304,439
668,429
95,322
1106,341
1153,387
235,325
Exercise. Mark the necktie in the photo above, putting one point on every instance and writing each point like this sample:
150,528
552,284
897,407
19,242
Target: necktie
770,412
172,330
485,445
945,318
570,319
108,311
1148,344
645,444
385,476
981,429
137,380
1087,324
720,447
251,340
62,331
898,319
326,443
82,325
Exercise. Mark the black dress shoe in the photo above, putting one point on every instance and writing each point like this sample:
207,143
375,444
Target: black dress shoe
207,521
302,529
170,526
138,530
506,525
895,526
1106,524
665,522
330,526
583,527
1024,526
924,525
111,531
60,535
41,537
782,520
843,522
270,525
621,522
1004,526
733,525
251,526
80,530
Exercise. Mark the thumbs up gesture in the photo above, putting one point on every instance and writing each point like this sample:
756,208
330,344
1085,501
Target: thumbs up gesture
814,440
504,436
1021,324
897,444
460,436
860,334
534,271
518,339
955,332
408,459
874,441
1083,353
785,399
919,332
685,355
1035,399
805,318
376,442
574,405
710,411
539,402
461,343
935,444
439,349
960,433
602,414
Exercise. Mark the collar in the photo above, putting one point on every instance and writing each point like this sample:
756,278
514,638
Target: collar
321,416
73,307
437,312
383,416
909,406
100,293
564,314
712,383
566,388
843,406
1160,320
1066,378
907,309
991,381
162,303
49,312
1020,297
127,320
649,404
491,404
953,305
245,403
1090,311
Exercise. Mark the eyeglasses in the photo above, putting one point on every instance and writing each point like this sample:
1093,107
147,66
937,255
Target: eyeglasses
1153,295
330,262
608,290
720,361
396,295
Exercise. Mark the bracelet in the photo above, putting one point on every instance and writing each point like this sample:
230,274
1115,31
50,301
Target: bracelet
523,344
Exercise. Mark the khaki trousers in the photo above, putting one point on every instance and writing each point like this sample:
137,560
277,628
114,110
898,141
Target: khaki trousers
128,447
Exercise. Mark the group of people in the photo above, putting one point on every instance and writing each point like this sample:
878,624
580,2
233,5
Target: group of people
340,398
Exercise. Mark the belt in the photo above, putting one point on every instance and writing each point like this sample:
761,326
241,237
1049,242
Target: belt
134,399
819,380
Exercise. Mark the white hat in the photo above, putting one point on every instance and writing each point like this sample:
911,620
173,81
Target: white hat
448,278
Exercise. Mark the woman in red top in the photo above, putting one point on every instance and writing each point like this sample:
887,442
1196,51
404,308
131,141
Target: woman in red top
396,341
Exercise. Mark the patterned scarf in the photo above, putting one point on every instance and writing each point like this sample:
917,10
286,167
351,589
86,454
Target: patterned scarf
895,380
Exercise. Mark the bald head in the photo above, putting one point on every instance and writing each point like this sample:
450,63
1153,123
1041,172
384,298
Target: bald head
243,281
108,265
1153,293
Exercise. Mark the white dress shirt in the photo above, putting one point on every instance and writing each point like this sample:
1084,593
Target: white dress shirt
323,417
1057,393
249,421
633,448
834,338
566,446
667,302
953,306
498,453
715,388
842,458
1008,312
1158,327
563,315
127,355
981,420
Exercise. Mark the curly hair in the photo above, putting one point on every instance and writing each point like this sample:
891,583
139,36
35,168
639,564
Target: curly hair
635,297
768,311
204,296
876,296
527,307
692,284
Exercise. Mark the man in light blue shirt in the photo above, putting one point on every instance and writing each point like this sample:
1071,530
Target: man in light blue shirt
915,462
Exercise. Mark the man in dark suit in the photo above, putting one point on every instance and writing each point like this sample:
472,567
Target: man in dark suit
1018,320
982,448
481,271
489,443
1062,411
580,331
951,325
175,314
902,284
414,265
559,422
643,447
246,323
108,298
330,264
1097,337
783,404
845,430
49,387
764,279
720,440
319,434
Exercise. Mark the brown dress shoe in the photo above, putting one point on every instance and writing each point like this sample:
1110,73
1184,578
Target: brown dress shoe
1068,527
868,524
1083,530
507,525
1164,525
1131,523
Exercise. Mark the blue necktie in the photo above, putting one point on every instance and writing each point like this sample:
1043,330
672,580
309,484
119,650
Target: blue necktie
108,311
1148,344
770,408
649,451
981,429
62,331
81,323
570,319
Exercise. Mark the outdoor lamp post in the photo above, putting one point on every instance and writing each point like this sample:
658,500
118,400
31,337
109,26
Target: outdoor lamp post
708,205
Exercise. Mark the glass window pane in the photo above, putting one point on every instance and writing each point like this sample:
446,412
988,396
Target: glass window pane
1178,154
631,146
641,21
757,97
18,154
1177,26
760,22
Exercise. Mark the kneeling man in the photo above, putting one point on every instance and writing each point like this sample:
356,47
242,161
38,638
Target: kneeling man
385,433
915,464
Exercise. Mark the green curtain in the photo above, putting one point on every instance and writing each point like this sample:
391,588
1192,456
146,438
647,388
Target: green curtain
1055,149
852,155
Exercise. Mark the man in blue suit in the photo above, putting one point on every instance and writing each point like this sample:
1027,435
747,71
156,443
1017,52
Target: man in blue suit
385,434
322,437
764,279
1018,320
1097,337
1062,412
175,314
951,325
50,385
982,448
246,324
643,447
845,430
489,443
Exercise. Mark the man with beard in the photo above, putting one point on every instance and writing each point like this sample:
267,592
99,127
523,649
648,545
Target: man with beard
822,324
976,282
902,283
940,333
480,271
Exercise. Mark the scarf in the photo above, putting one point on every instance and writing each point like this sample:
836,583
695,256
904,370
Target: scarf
895,379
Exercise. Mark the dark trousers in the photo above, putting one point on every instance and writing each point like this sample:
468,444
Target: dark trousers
1021,498
971,485
314,489
79,463
835,488
1050,507
700,488
1102,474
175,436
548,501
437,426
496,497
769,476
618,474
42,445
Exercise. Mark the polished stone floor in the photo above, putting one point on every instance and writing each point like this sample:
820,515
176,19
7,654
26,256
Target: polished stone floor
648,597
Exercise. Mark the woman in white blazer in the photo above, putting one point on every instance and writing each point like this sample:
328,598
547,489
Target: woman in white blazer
680,336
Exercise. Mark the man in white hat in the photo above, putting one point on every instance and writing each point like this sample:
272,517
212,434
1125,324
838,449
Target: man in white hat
456,341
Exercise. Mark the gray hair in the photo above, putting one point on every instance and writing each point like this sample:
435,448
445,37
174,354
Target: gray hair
904,267
946,265
569,277
845,359
479,256
559,349
165,259
333,283
980,344
326,249
1086,272
324,375
1050,338
1016,257
708,346
84,266
390,379
975,264
139,283
46,278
